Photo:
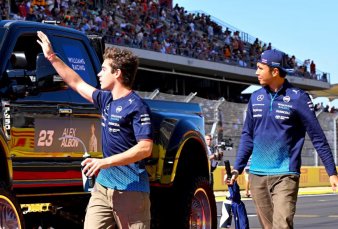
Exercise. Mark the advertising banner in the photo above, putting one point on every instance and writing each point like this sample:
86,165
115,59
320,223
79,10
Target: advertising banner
311,176
67,135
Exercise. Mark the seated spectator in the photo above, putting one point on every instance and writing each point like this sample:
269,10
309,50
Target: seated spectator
292,62
241,61
227,53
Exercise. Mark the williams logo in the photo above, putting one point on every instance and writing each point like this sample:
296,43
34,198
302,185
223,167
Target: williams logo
286,99
260,97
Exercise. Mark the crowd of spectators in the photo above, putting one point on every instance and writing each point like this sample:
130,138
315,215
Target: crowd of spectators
153,25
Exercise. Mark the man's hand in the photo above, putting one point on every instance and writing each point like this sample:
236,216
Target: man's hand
217,156
92,166
45,44
230,181
334,182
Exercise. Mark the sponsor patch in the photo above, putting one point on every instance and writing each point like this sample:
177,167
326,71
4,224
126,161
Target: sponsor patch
286,99
281,117
145,119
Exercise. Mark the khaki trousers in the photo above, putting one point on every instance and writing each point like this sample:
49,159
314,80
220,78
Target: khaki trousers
275,198
112,209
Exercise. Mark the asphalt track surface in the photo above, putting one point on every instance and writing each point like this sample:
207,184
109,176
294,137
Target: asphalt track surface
319,211
317,208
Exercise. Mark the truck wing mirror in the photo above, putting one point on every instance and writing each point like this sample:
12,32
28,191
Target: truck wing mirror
18,83
18,60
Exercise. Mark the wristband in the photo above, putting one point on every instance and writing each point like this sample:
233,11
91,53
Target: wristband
50,57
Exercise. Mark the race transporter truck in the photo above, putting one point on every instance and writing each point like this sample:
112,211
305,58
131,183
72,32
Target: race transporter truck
46,128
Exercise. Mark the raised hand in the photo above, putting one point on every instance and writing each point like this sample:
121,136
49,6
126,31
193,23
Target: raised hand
45,45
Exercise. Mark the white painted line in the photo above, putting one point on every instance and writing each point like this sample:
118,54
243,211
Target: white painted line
307,216
312,195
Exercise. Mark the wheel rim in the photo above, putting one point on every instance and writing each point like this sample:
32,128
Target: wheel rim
200,217
9,217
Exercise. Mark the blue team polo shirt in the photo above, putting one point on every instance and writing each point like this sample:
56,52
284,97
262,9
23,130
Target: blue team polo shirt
124,122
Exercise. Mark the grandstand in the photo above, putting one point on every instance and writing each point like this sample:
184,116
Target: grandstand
183,58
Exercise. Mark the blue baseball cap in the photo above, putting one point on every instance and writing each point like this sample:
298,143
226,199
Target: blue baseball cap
273,58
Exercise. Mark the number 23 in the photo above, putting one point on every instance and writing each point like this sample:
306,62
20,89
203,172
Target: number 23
45,138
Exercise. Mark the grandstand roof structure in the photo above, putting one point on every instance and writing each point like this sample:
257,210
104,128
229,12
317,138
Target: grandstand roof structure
331,93
180,65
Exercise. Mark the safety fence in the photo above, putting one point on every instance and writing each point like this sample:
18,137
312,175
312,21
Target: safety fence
224,120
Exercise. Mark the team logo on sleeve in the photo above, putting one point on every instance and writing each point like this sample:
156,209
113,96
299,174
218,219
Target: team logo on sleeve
286,99
260,97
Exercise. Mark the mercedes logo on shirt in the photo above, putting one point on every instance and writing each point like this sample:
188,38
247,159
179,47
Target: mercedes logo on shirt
260,97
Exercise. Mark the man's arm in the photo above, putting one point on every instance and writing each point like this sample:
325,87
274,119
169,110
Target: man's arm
318,138
316,134
244,149
136,153
246,142
68,74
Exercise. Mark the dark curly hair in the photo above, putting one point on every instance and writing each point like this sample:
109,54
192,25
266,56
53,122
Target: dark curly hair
124,60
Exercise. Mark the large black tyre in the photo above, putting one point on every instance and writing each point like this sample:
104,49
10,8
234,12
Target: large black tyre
162,208
11,216
196,206
187,205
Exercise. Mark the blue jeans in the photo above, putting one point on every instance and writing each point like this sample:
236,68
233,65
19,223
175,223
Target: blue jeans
275,198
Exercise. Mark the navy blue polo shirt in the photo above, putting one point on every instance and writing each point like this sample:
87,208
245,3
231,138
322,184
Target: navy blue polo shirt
124,122
274,132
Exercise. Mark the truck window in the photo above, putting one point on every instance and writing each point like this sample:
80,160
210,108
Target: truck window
23,64
75,54
24,58
26,49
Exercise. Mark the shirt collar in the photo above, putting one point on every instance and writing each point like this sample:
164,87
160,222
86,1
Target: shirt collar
283,88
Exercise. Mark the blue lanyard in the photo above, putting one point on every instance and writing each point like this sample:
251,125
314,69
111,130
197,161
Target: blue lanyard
272,99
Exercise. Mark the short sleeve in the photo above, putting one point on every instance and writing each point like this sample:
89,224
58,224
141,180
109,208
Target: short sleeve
100,98
142,124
